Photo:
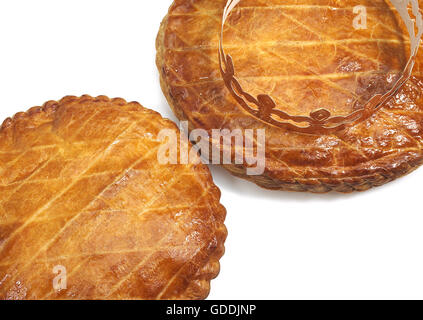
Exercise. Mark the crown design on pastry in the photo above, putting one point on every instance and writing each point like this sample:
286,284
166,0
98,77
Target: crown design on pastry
321,120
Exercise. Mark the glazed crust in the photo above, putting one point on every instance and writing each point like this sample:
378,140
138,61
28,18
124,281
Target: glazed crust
81,187
380,149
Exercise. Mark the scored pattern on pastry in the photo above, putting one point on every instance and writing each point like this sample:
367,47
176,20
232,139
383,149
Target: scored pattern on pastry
80,186
378,150
320,120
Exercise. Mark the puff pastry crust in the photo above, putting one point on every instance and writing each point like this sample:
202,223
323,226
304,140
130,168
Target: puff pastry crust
81,188
266,57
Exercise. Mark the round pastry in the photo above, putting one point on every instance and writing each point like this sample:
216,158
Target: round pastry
88,212
313,63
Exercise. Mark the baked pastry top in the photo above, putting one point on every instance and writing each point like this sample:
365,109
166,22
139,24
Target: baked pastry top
306,55
82,191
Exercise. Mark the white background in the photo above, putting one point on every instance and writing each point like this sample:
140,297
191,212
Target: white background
280,245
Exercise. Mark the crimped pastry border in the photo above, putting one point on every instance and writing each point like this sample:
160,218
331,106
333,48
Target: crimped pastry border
208,266
358,178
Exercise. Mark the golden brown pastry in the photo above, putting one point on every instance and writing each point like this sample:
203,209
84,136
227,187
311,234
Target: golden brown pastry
82,194
306,56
